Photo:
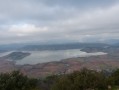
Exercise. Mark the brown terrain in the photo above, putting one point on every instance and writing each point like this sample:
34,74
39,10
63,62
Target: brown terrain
106,62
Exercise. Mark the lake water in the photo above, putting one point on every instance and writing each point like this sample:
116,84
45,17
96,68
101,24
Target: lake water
48,56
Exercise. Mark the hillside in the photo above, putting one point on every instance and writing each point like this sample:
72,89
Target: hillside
16,55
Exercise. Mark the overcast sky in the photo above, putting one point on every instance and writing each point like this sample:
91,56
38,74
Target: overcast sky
58,21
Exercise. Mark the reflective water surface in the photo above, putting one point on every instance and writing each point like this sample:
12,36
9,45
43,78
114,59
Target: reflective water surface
48,56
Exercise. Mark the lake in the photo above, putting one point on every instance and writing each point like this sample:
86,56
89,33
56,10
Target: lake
48,56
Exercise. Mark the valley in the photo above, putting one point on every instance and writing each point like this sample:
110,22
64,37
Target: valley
66,61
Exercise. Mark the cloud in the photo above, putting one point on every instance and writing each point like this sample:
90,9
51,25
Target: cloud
26,29
58,21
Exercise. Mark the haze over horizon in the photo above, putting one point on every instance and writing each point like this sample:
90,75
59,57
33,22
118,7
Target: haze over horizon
58,21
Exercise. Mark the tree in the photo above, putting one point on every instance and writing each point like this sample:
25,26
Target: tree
114,78
16,81
83,80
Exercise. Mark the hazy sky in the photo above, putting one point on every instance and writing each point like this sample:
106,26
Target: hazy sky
58,21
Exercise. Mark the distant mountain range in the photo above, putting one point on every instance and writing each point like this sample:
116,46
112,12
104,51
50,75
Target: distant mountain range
62,46
32,47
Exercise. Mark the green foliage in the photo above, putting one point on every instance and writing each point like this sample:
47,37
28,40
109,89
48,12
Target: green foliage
83,80
80,80
114,78
16,81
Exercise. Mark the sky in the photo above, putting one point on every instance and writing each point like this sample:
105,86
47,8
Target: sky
58,21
